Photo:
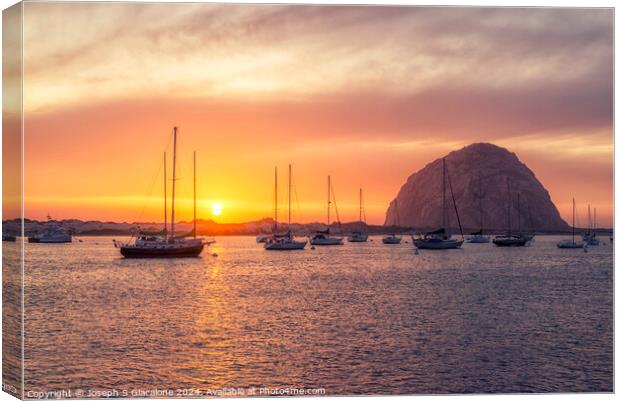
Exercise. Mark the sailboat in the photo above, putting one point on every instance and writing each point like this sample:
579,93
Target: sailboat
589,237
359,236
442,238
166,246
323,237
511,239
478,237
571,244
285,241
392,238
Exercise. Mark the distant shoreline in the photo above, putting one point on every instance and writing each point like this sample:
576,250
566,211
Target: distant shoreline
253,228
598,232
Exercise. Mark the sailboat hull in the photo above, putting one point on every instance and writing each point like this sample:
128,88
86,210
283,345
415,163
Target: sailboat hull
509,241
570,244
326,241
357,237
478,239
391,240
190,251
591,240
285,246
437,243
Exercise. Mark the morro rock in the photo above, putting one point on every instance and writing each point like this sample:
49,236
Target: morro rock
478,172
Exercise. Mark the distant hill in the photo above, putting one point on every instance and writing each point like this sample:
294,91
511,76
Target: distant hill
480,165
204,227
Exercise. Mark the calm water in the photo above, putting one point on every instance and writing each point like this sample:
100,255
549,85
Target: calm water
357,319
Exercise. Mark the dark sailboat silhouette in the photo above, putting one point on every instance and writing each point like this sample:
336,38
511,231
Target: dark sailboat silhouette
166,246
478,237
283,241
323,237
392,238
442,238
361,235
510,239
589,237
571,244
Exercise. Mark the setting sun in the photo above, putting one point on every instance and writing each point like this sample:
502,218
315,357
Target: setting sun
216,209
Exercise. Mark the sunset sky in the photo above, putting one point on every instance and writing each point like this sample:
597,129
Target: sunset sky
366,94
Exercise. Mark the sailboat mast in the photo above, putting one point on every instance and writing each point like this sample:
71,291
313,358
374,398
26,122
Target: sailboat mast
573,220
290,183
589,219
165,200
518,212
480,202
360,204
194,194
275,198
397,217
445,209
594,225
329,197
174,178
509,206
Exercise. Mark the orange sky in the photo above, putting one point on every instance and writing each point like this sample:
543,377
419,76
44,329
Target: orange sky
368,95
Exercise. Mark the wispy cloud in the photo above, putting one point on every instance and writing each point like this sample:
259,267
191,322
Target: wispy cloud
108,50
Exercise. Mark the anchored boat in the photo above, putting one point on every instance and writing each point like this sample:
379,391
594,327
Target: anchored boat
361,235
589,237
323,237
164,245
285,241
509,239
392,238
571,244
442,238
479,237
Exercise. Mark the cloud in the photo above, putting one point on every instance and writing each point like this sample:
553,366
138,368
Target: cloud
109,51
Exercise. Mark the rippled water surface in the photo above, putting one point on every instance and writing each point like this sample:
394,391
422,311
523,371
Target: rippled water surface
356,319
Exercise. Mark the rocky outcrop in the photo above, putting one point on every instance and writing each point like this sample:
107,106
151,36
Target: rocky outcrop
477,171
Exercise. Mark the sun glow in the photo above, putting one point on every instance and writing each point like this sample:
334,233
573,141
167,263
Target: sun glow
216,209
